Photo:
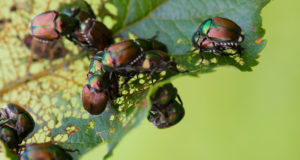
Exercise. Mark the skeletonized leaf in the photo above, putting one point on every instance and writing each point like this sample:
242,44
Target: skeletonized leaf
51,89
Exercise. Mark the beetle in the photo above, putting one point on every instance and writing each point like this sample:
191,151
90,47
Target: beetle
20,119
9,136
167,107
45,151
93,34
51,25
130,52
164,116
120,55
218,35
98,92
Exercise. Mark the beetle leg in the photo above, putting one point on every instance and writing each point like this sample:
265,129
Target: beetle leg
151,75
179,100
200,52
202,58
239,51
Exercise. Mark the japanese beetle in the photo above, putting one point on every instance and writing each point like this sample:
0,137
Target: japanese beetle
51,50
51,25
98,92
90,33
20,119
45,151
93,34
164,116
9,136
127,54
121,55
218,35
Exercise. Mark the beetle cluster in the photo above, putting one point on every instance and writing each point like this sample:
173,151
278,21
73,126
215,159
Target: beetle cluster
76,21
126,59
15,125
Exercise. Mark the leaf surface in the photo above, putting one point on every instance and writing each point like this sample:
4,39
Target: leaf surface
52,88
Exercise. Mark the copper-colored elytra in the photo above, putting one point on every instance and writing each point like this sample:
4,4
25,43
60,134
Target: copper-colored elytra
45,151
120,46
224,29
226,23
124,52
92,101
126,56
101,35
43,26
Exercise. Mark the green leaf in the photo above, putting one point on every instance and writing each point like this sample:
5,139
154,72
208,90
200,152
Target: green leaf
177,20
52,88
8,155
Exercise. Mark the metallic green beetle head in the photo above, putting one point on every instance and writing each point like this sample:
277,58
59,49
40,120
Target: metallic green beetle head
95,66
201,32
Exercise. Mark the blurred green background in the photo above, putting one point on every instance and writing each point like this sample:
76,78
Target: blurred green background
232,115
